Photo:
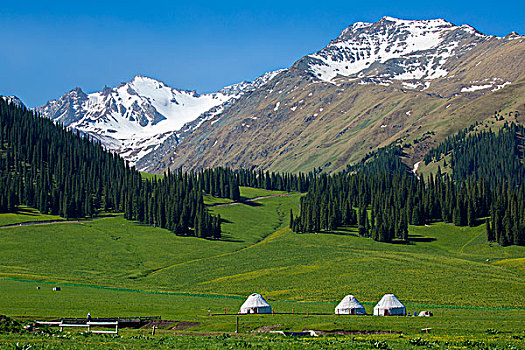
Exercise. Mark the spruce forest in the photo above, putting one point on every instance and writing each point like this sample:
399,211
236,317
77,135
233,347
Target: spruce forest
57,171
487,180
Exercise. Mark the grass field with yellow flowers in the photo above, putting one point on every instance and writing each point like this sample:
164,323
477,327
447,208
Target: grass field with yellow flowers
112,267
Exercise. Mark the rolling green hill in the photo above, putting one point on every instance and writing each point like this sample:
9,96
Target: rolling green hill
113,267
444,266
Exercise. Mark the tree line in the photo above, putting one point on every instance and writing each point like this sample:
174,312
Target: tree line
58,171
61,172
383,196
223,182
496,157
174,202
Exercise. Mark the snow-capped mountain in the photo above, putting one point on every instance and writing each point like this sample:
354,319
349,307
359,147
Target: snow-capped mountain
392,49
410,82
247,86
14,100
135,117
407,82
143,107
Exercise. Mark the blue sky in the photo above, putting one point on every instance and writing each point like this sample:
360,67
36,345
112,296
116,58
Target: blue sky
48,48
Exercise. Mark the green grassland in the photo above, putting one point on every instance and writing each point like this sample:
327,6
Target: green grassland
250,192
113,267
247,193
228,341
25,214
149,176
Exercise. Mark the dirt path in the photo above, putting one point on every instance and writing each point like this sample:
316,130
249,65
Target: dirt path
49,222
43,222
251,200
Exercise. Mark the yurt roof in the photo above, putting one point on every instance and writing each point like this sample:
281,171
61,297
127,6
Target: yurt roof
349,302
255,300
389,301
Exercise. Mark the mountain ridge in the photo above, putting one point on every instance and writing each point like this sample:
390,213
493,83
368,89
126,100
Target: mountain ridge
136,116
300,121
14,99
404,81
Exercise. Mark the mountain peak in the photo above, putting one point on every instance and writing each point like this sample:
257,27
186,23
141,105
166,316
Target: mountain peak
106,91
392,19
135,116
391,48
410,21
13,100
514,35
143,78
77,91
388,20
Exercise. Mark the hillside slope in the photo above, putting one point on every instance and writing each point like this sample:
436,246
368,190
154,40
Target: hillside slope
133,118
415,82
444,266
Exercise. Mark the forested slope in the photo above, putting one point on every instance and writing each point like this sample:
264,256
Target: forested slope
487,180
46,166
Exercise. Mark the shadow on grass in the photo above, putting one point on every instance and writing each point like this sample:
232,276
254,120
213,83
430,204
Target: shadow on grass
252,204
26,211
229,238
340,233
402,242
419,238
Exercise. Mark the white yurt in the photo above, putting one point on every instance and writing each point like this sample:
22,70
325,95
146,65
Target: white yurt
350,306
389,305
255,304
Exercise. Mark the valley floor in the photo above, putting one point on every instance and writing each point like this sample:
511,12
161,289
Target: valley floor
112,267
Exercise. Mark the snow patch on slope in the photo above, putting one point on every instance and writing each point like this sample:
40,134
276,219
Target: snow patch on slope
414,49
494,84
134,118
476,88
13,100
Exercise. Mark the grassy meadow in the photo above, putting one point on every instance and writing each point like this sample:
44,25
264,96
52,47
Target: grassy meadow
25,214
113,267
